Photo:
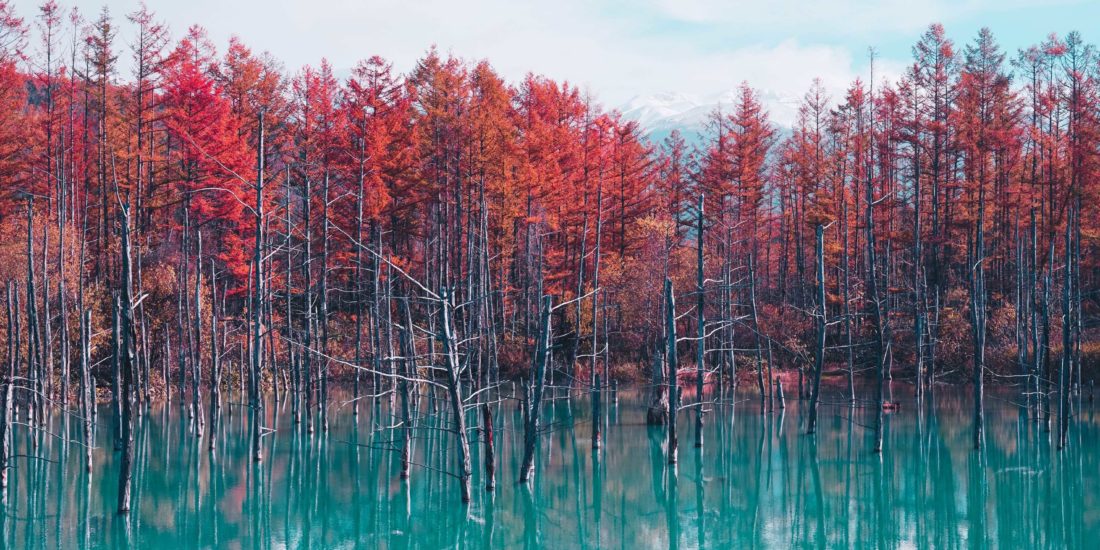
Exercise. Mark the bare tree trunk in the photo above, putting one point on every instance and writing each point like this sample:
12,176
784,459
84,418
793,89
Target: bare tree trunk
845,259
918,281
215,362
34,344
408,362
819,348
533,393
879,319
255,309
359,288
700,345
1044,356
673,361
454,389
597,386
490,452
765,393
978,317
87,385
657,414
196,363
63,307
294,357
1065,370
116,401
322,317
126,356
306,266
6,408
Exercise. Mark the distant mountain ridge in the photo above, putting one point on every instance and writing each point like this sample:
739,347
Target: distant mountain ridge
660,114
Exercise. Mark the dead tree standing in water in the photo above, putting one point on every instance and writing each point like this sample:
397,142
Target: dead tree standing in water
673,364
765,392
597,389
254,301
819,347
126,362
87,386
1065,370
8,394
978,313
700,345
454,389
196,363
532,402
408,363
215,362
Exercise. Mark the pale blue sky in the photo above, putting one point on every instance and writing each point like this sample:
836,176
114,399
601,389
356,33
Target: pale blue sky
619,48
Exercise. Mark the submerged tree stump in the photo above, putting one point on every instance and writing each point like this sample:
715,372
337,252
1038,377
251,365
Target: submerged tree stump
657,414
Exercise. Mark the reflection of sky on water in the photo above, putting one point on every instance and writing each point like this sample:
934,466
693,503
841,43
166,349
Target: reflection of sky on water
759,480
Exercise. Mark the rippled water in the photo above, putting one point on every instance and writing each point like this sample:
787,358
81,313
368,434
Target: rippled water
759,481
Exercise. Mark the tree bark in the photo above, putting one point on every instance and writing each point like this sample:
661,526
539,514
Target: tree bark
819,347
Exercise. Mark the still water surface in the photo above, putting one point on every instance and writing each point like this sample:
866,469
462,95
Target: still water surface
759,482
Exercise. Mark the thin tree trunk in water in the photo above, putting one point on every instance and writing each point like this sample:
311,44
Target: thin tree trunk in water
87,386
181,354
490,452
572,363
307,273
34,345
764,392
673,364
729,342
700,346
46,389
408,362
978,318
454,389
215,363
1065,372
1077,325
918,282
146,354
196,363
1044,356
17,331
294,357
819,348
877,315
533,397
597,387
125,346
358,285
8,397
116,402
322,317
254,309
63,307
848,305
164,370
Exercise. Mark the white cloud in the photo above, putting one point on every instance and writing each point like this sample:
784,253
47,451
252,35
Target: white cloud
570,41
615,48
840,16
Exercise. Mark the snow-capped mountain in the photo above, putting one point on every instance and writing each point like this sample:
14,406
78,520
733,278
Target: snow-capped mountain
660,114
652,110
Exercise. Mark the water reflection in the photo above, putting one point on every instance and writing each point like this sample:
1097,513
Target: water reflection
760,481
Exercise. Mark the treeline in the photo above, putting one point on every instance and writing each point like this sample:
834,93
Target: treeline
267,228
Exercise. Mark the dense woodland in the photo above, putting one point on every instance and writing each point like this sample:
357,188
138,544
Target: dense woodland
180,220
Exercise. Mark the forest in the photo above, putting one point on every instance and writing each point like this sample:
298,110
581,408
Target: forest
199,225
